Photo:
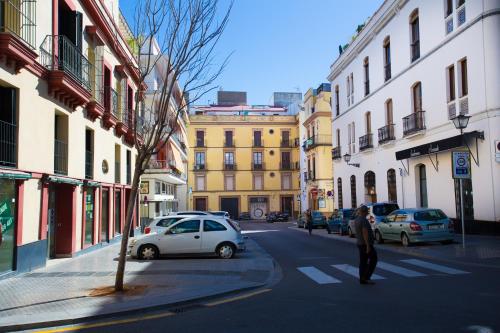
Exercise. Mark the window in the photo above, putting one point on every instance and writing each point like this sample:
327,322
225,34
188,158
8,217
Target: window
157,188
229,182
462,84
338,137
414,35
348,88
339,193
354,203
337,101
366,68
117,164
391,185
209,225
417,97
314,167
89,154
200,182
200,158
388,112
368,122
422,182
448,7
285,138
387,58
285,160
168,222
186,227
450,78
257,160
129,167
228,135
370,189
351,135
228,160
352,88
258,183
163,188
257,138
460,12
200,138
286,181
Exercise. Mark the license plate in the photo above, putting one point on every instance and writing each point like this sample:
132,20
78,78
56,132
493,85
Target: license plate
435,226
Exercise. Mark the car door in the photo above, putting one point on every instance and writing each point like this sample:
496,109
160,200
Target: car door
213,234
182,237
385,228
399,224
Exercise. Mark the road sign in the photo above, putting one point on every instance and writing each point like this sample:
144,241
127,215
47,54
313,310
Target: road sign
461,164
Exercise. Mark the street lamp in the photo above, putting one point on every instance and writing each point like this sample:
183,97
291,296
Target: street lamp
347,159
461,121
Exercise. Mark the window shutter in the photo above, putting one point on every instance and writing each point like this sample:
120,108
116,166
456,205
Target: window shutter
200,183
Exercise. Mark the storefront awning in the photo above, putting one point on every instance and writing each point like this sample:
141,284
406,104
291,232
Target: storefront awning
11,174
64,180
438,146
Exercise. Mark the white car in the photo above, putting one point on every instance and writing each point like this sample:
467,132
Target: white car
215,214
161,223
193,235
220,213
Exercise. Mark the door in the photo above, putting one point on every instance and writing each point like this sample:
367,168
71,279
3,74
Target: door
230,205
63,202
258,208
184,237
200,204
213,234
422,185
51,224
399,225
7,223
385,228
287,205
118,212
105,216
468,199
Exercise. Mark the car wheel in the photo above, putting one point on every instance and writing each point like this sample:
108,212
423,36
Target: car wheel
378,237
226,251
148,252
349,232
405,240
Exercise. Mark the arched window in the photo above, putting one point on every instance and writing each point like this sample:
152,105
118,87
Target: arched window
389,118
414,35
354,203
391,186
422,185
387,58
339,193
370,189
368,122
337,101
366,68
416,93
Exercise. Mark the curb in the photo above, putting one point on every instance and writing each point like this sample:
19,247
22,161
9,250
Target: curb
191,303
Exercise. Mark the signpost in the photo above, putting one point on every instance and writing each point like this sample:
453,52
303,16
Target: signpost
461,170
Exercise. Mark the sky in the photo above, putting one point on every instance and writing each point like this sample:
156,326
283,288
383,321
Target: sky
281,45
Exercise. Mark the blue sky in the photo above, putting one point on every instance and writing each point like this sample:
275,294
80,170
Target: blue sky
282,45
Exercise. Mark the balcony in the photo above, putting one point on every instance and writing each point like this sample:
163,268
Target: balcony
89,164
18,32
310,176
387,72
200,144
110,117
258,143
8,144
199,167
336,153
286,166
69,71
123,122
386,134
414,123
229,143
60,157
258,166
286,144
229,166
365,142
317,140
117,172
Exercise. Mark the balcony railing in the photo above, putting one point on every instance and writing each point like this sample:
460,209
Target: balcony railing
117,172
228,143
124,117
60,157
286,165
66,57
414,123
8,144
200,143
317,140
386,134
258,143
110,101
387,71
336,153
258,166
415,50
199,167
89,164
366,141
286,144
19,18
229,166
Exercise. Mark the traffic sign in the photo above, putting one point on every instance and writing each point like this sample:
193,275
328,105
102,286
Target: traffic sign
461,164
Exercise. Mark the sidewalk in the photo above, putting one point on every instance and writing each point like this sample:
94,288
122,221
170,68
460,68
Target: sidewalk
61,291
479,250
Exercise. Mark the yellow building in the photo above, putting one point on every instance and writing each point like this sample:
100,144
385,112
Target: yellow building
243,159
317,148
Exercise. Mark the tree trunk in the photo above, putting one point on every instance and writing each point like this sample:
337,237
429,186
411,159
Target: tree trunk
132,200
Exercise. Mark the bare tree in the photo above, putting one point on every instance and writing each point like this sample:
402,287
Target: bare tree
187,32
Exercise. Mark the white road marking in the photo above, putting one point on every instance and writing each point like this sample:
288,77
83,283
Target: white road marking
435,267
354,271
399,270
256,231
317,275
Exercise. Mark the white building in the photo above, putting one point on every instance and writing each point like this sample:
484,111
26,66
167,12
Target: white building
414,66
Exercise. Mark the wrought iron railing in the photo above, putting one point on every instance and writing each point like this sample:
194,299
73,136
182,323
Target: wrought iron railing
258,143
286,165
110,101
386,133
200,143
19,18
317,140
336,153
200,167
229,143
286,143
229,166
8,144
258,166
413,123
60,157
124,117
366,141
89,164
59,53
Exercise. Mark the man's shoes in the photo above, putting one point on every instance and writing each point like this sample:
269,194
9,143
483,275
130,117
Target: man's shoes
369,282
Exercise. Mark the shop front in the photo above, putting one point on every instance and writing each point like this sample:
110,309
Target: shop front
8,224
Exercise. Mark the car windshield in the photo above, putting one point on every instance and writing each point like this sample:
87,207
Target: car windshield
385,209
429,215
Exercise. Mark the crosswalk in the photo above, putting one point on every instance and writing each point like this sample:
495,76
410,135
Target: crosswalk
415,268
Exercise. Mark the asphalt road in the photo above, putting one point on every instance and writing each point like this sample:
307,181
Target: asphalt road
432,301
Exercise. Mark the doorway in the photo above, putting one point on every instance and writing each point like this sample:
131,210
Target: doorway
422,186
230,205
287,205
370,187
7,223
118,212
200,204
105,216
60,221
468,199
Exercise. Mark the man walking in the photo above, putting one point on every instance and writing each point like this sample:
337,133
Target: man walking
309,221
367,254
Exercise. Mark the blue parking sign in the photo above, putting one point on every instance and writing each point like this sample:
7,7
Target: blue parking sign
461,164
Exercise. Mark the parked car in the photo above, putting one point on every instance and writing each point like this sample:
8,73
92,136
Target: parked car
376,213
301,220
415,225
244,216
191,212
276,217
221,213
318,219
161,223
339,221
193,235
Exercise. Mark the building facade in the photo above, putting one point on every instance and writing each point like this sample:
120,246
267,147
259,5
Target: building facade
243,163
67,87
413,67
316,173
